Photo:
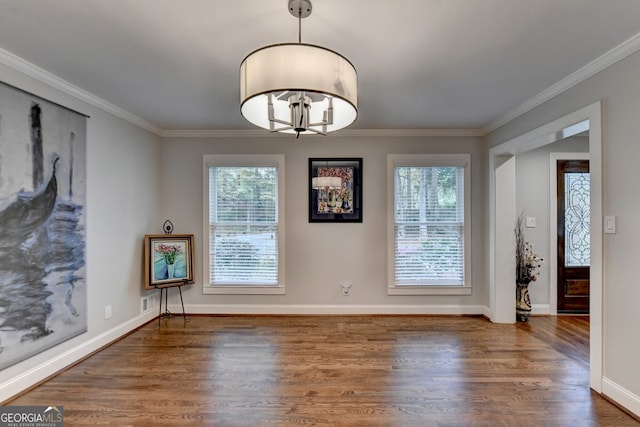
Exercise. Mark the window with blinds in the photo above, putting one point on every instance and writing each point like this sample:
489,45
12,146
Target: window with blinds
243,227
429,222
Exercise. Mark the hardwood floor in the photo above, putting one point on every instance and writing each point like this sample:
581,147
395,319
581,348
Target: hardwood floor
337,371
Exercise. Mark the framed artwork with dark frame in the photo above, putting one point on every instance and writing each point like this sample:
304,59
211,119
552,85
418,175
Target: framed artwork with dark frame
335,190
168,260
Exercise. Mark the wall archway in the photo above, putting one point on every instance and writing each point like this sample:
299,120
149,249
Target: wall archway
502,217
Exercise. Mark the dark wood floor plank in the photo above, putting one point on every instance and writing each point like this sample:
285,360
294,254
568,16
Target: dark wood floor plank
338,371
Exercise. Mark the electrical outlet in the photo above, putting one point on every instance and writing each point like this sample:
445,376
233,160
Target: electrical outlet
346,287
144,304
107,312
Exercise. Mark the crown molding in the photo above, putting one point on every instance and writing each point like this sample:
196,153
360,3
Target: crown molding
613,56
351,133
15,62
409,133
217,133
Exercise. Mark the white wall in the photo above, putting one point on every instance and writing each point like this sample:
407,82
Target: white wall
319,255
122,204
128,166
532,198
618,87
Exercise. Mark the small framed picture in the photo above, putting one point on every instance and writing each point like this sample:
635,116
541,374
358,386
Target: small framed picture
335,190
168,260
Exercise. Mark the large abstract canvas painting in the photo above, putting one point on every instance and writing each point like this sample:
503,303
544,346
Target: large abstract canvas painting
43,294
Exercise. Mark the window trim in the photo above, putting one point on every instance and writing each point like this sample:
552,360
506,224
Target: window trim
428,160
242,160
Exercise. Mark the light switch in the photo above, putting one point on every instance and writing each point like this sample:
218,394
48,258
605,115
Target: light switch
610,224
530,222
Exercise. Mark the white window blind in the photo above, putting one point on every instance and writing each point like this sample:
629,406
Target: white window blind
429,225
243,225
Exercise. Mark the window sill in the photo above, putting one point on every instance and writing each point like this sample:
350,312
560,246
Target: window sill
243,290
429,290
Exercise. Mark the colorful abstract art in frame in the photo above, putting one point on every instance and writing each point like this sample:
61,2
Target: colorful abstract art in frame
335,190
43,289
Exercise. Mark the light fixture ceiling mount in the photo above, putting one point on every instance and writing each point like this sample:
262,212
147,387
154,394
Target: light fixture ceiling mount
298,88
300,8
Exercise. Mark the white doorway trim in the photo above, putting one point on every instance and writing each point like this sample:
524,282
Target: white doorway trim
502,262
553,224
501,259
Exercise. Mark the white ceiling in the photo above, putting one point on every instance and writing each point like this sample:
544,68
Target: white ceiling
422,64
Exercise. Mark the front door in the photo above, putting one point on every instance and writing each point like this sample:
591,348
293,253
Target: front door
573,236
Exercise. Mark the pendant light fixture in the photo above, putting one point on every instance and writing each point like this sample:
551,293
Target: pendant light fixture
298,88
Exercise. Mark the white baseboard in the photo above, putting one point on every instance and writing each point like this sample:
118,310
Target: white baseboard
33,376
621,396
540,309
486,312
327,309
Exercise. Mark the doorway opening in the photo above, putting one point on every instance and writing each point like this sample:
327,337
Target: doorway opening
503,216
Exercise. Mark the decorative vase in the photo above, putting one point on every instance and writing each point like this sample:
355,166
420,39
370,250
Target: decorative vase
170,268
345,204
523,303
